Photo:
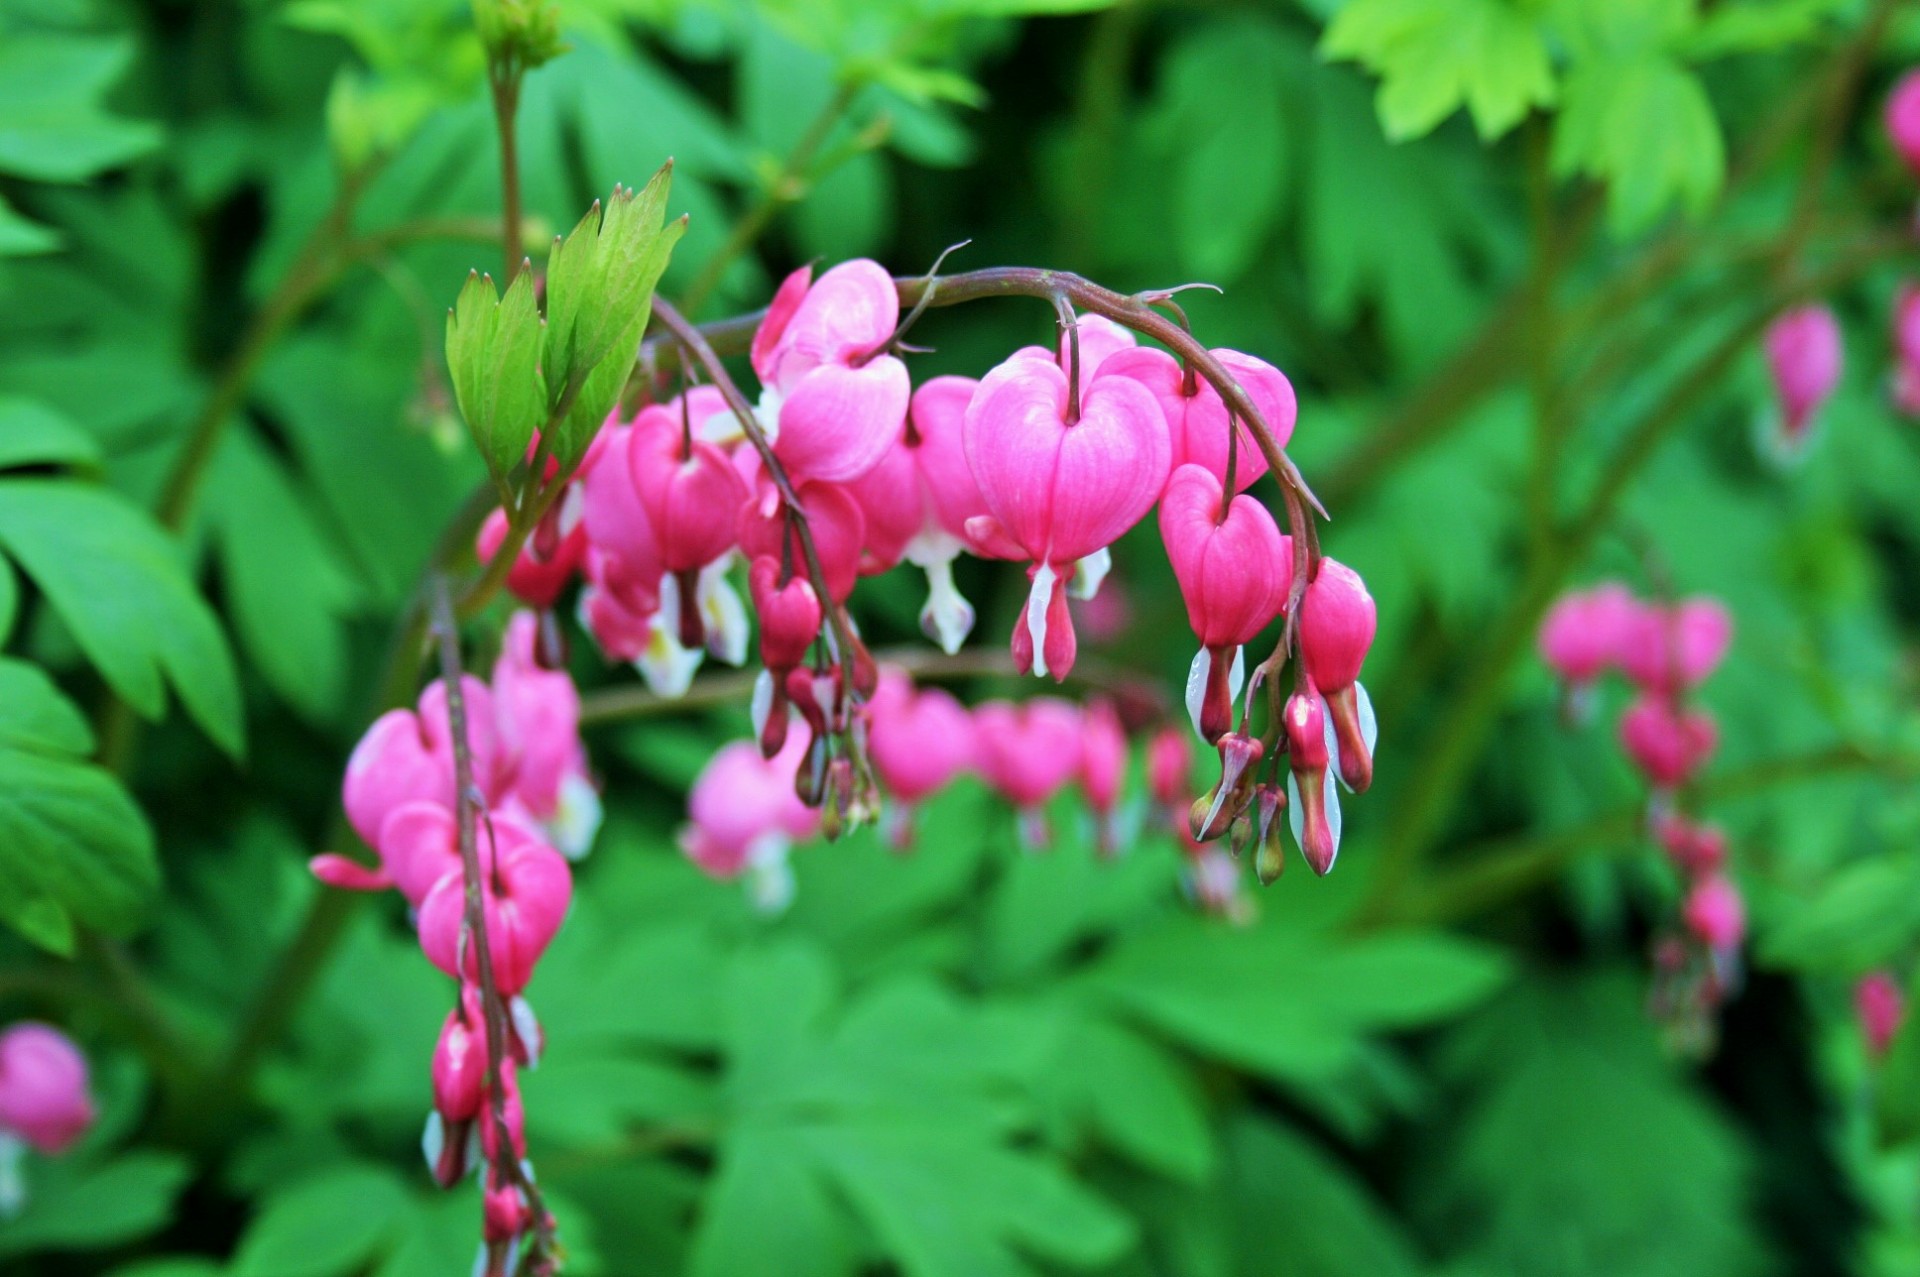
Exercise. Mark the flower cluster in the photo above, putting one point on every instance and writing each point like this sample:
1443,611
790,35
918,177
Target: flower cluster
534,799
1665,651
44,1102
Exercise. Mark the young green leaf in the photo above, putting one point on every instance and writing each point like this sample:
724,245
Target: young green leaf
1433,56
1645,126
493,354
329,1226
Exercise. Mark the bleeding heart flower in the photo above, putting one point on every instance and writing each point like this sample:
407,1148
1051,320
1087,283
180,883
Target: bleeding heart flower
1197,416
1170,771
1666,650
1803,356
1903,119
744,817
1337,624
918,740
44,1099
790,618
1234,570
692,496
1027,752
1059,488
1882,1008
1666,743
1103,767
1584,633
525,889
394,763
1313,802
1715,914
1695,849
546,563
1905,379
838,528
830,403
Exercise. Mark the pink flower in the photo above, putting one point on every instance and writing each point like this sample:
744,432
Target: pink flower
1586,632
1803,356
831,403
1881,1007
1197,416
838,528
1715,914
1903,119
919,739
917,502
394,763
44,1098
545,564
1103,767
790,617
1695,849
1337,624
1170,770
1313,805
537,713
1058,488
616,520
525,889
1027,752
1234,570
1667,650
692,496
1666,743
744,814
1906,350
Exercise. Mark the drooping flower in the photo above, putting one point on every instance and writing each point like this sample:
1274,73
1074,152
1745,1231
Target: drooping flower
537,714
1197,416
525,889
1904,382
1313,804
1103,766
918,499
918,739
790,617
1695,849
1803,357
1234,570
44,1096
1337,624
692,495
1669,650
830,401
1027,751
1584,634
834,521
1059,487
1666,742
1881,1008
1715,914
744,817
1903,119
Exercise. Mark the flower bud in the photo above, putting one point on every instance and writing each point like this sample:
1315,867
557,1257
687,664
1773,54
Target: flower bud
1881,1008
1315,806
1212,815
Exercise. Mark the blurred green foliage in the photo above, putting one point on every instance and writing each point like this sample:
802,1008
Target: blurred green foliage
1499,246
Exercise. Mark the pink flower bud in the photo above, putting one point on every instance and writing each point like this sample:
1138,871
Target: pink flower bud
1803,357
1028,751
1903,119
1337,623
790,619
1667,744
838,529
1695,850
1667,650
1881,1008
513,1110
833,405
44,1098
1059,489
918,740
1585,632
1314,807
1103,767
1714,913
1170,769
460,1062
615,518
539,571
1197,416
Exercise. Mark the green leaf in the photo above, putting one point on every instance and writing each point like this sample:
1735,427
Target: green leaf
330,1226
286,590
1865,914
493,353
600,282
1332,1226
21,237
1432,56
98,1206
32,434
51,124
1140,1098
767,1213
72,843
1645,126
116,582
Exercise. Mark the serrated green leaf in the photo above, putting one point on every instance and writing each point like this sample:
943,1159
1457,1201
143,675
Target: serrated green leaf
1433,56
1864,915
116,582
99,1206
1645,126
493,353
22,237
330,1226
1140,1099
51,124
767,1213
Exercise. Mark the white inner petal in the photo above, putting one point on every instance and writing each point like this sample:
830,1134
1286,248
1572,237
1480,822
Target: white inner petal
1089,572
1037,600
1197,675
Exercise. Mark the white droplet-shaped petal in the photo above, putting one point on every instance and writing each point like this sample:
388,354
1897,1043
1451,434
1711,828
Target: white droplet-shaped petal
667,667
723,612
526,1027
1369,725
1089,572
433,1140
1037,600
576,816
769,877
947,618
762,704
1197,675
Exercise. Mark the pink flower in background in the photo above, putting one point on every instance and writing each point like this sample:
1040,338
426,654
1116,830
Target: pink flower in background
832,405
1059,487
1667,743
1696,850
1027,752
744,817
1904,383
1103,769
1715,914
1803,357
1234,570
1881,1008
1585,634
1170,771
537,715
1903,119
1337,624
919,740
1669,650
1197,416
44,1097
